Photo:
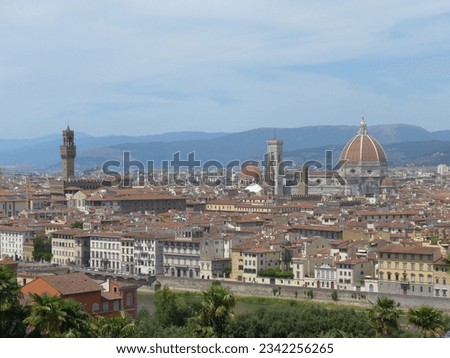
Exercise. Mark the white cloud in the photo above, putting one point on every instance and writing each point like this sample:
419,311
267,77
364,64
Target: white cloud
189,63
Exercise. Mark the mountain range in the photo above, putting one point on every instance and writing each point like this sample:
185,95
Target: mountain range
404,145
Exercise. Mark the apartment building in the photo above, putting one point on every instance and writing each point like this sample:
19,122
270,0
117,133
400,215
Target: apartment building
12,240
106,251
407,269
350,274
441,278
148,252
181,254
70,247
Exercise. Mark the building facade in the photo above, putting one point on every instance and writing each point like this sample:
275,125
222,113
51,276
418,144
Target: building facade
407,269
12,241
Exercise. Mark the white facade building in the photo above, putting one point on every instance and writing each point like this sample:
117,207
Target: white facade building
106,252
12,240
442,169
148,254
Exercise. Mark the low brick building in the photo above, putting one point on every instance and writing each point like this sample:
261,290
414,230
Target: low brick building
103,300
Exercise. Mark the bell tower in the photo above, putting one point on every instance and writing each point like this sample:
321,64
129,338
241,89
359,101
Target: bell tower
273,167
68,153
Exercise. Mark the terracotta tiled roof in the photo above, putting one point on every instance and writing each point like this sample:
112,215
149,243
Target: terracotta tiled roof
110,296
409,249
72,283
124,285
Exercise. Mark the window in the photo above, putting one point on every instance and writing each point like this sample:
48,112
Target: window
129,299
106,306
95,307
116,305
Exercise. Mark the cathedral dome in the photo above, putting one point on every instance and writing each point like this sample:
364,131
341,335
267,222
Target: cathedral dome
363,149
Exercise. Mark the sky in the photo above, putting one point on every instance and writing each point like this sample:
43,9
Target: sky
140,67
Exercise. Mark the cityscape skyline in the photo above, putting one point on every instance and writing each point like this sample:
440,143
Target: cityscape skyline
223,67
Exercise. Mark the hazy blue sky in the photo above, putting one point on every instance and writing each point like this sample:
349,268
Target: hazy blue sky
143,66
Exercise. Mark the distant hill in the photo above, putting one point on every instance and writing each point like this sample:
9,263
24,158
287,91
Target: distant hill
403,144
427,153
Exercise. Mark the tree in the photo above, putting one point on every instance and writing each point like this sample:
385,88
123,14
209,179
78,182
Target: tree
54,317
168,310
216,312
447,261
384,316
334,296
12,312
77,225
148,326
117,327
428,320
286,258
42,249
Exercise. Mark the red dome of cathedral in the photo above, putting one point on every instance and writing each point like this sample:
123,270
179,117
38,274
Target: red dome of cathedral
363,149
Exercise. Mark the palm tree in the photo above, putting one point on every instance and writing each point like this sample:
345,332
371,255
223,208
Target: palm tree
216,312
52,316
9,289
428,320
117,327
12,312
46,316
384,316
79,323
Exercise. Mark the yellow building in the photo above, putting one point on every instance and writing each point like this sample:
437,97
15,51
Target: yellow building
28,248
407,270
237,264
221,205
251,257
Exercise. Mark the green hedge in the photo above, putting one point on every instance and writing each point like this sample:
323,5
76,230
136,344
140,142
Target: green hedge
277,273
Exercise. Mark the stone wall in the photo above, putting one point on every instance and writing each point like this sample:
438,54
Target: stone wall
289,292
